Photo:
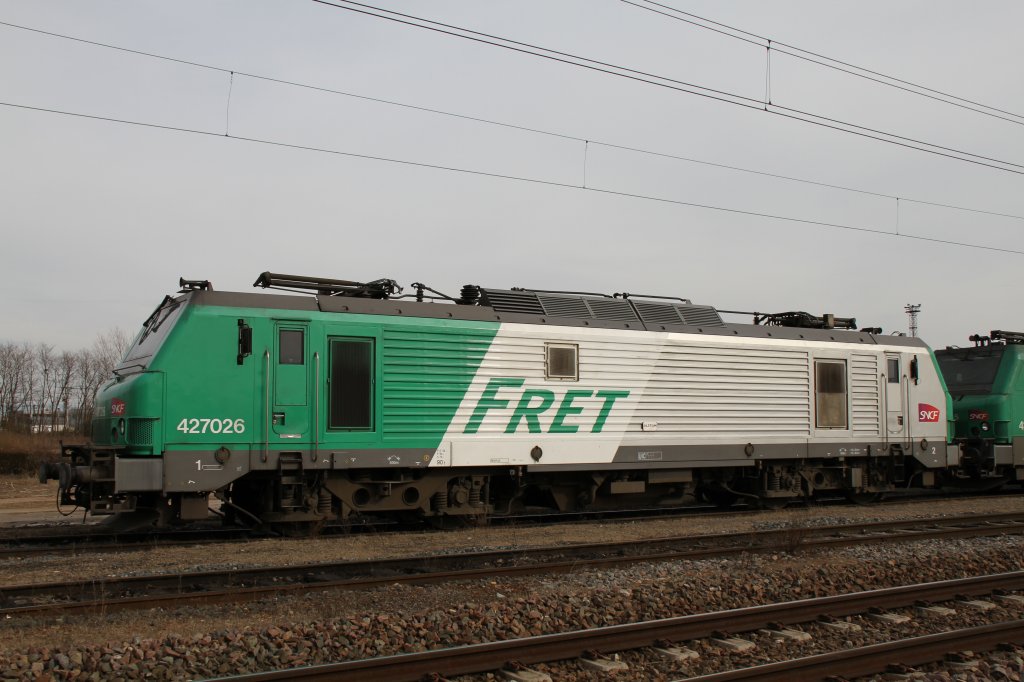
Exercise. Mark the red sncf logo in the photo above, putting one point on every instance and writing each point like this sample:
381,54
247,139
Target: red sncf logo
927,413
117,407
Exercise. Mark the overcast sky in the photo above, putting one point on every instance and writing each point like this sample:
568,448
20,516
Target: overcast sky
100,219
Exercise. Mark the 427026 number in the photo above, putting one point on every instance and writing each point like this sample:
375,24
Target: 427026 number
204,425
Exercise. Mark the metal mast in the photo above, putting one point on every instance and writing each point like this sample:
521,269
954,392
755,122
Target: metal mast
912,310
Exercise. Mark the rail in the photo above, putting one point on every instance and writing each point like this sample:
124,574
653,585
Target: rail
148,591
491,656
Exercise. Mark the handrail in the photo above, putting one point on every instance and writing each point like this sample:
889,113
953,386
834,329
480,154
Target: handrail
266,407
316,408
883,379
908,437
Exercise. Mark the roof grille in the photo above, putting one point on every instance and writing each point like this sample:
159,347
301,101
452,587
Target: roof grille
504,301
703,315
658,313
614,309
564,306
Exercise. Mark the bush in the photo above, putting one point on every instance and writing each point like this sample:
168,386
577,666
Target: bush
21,453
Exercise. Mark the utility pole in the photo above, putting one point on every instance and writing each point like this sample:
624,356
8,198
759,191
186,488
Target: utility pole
912,310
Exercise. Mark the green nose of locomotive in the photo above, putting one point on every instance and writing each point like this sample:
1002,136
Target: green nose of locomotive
127,412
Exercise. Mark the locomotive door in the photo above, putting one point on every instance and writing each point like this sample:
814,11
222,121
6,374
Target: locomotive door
896,401
290,409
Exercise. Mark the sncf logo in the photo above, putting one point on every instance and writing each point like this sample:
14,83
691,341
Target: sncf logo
927,413
117,407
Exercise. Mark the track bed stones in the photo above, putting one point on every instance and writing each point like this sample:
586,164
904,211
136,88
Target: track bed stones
282,633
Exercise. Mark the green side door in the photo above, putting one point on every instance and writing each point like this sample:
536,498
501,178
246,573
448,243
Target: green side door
290,369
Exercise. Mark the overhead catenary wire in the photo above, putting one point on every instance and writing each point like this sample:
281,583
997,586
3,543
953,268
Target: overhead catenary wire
660,81
503,124
517,178
828,62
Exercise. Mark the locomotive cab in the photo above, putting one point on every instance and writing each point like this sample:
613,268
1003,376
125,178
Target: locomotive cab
120,470
986,383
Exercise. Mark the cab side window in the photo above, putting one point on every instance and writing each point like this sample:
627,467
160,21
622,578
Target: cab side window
290,347
351,392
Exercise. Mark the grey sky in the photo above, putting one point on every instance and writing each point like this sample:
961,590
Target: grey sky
100,219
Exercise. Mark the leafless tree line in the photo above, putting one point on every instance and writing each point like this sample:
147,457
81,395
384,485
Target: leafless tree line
42,389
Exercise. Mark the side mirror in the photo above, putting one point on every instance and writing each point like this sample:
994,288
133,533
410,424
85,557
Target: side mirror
244,341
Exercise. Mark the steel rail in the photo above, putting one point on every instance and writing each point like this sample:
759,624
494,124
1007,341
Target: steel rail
240,585
869,660
118,541
490,656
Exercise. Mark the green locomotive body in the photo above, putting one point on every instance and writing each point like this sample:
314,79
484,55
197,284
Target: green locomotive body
986,384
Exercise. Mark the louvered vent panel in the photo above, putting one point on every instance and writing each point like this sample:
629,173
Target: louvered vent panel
504,301
563,306
612,309
658,313
703,315
140,431
864,394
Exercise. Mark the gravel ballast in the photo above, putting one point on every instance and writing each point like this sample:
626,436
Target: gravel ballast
328,626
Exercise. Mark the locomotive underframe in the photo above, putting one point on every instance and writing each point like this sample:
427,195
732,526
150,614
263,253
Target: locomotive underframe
983,457
103,482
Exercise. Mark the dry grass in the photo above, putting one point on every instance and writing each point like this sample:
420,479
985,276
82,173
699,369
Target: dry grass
20,453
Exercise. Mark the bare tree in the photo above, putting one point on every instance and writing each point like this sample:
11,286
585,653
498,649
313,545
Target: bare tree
95,369
84,390
40,386
64,375
43,396
17,384
110,347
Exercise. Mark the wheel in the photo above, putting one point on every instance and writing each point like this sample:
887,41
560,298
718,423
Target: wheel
773,503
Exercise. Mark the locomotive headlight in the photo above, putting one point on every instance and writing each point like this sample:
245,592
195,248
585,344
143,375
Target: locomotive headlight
120,426
984,426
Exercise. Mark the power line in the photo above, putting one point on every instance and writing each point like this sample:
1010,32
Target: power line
830,62
586,141
516,178
719,95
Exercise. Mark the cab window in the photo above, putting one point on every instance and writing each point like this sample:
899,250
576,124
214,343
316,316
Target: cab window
351,384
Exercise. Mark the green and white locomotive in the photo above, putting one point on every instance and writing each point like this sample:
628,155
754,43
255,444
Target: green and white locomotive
352,399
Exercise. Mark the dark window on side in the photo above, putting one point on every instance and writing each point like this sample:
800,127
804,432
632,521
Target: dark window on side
893,370
830,393
351,390
290,347
562,362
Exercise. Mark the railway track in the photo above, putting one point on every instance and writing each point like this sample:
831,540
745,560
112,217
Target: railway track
91,541
237,585
493,656
97,538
